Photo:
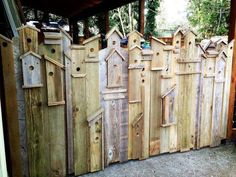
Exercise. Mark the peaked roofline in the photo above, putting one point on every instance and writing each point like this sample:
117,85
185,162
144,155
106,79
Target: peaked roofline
187,32
169,91
207,45
91,39
112,52
135,31
6,39
222,52
95,115
30,53
135,46
158,40
28,26
67,34
113,30
178,30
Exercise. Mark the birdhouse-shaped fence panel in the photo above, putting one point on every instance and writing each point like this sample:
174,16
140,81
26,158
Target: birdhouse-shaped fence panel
96,141
168,62
113,38
114,69
137,136
31,67
28,39
220,67
55,83
78,62
168,100
134,38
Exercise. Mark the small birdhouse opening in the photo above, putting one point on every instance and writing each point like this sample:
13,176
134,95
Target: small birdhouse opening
78,69
114,42
4,44
31,68
143,69
231,48
28,40
190,43
92,50
97,138
135,40
219,72
177,42
209,68
51,73
135,61
158,53
143,81
53,50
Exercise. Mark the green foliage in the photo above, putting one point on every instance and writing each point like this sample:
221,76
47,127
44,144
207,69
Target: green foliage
210,17
152,11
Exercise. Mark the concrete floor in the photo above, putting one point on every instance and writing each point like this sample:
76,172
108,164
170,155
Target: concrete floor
207,162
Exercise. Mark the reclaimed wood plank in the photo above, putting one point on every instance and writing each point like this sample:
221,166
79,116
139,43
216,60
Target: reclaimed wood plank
11,115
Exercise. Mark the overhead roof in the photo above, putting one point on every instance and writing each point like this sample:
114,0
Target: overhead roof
75,9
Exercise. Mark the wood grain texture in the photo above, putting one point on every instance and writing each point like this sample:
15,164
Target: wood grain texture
11,115
80,124
54,116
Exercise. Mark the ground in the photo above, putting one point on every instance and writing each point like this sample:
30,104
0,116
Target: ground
207,162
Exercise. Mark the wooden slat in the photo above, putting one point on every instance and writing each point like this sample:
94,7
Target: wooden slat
80,126
11,115
233,76
54,117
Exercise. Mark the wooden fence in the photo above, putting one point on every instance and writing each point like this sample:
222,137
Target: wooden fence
86,108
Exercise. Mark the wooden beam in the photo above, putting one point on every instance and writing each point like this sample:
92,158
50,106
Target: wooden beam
10,114
232,35
107,22
86,29
141,16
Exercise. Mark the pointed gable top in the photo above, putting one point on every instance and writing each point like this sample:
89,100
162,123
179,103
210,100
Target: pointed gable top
158,40
112,52
190,31
168,92
114,30
97,115
28,26
91,39
135,46
65,33
135,31
6,39
222,53
30,53
179,30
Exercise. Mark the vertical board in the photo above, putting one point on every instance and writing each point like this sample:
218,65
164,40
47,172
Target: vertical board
54,115
11,116
157,66
134,87
66,48
113,85
220,69
35,122
146,97
93,92
80,124
208,65
229,52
